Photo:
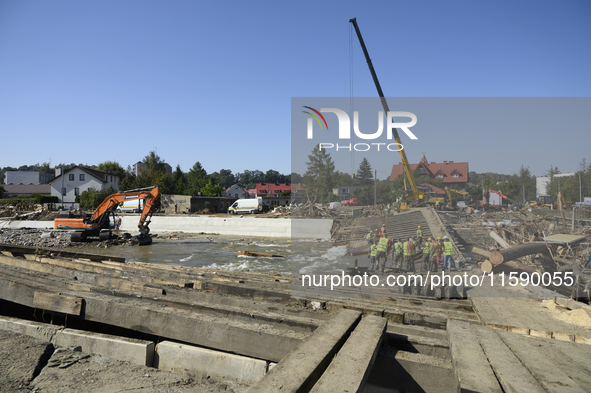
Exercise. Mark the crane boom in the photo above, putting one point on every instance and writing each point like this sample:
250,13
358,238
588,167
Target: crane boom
416,194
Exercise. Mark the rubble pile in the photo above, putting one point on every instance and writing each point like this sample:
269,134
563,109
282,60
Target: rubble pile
27,211
497,231
49,238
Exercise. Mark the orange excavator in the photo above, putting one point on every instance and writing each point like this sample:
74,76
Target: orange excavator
102,221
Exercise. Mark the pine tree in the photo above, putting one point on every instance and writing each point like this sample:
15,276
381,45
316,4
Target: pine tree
364,173
320,175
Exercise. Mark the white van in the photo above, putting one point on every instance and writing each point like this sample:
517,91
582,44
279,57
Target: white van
134,206
251,205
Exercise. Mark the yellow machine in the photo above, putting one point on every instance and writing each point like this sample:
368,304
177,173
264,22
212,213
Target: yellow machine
542,201
450,190
410,197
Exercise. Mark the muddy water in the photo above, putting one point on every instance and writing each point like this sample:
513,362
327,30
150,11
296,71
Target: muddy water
220,252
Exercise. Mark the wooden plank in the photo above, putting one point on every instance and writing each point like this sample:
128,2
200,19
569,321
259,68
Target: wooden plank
58,302
543,368
471,367
303,366
351,367
510,372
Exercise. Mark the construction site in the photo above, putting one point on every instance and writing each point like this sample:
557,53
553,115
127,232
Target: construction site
71,316
462,298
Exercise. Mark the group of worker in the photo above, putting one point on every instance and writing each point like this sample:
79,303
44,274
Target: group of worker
391,206
435,252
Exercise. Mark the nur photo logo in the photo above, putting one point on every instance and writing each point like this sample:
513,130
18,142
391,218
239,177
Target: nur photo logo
344,129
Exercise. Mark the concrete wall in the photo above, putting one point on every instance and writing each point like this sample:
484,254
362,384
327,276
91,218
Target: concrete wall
236,226
231,225
168,201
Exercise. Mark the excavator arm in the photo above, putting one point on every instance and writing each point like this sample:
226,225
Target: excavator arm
91,227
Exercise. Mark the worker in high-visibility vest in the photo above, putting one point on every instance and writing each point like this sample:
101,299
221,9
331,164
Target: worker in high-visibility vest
437,204
369,236
419,236
409,254
448,250
398,253
373,252
382,253
434,255
426,256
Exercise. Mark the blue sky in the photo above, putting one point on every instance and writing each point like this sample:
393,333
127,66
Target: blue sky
87,82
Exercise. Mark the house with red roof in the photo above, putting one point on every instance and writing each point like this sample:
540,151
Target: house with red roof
270,193
453,174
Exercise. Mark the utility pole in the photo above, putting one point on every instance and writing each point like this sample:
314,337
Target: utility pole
375,188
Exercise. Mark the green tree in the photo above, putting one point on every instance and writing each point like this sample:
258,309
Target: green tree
196,178
2,191
179,181
112,167
224,178
365,195
211,189
364,173
320,176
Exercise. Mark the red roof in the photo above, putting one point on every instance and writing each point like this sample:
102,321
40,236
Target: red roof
451,172
271,189
434,189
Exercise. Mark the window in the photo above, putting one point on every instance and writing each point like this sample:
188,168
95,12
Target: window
345,190
439,175
236,195
82,177
71,177
64,191
76,191
455,175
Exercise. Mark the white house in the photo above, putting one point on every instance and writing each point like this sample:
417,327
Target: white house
236,192
78,179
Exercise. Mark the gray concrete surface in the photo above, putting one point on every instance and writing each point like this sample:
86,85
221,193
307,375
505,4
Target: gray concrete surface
201,362
303,366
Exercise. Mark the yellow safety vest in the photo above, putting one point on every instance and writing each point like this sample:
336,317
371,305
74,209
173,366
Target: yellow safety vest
383,245
427,248
373,250
420,232
448,248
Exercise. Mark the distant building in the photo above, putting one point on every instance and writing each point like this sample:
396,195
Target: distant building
76,180
345,192
27,177
270,192
140,167
542,183
452,173
14,190
236,192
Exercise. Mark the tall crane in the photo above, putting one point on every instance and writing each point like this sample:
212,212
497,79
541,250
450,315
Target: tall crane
412,196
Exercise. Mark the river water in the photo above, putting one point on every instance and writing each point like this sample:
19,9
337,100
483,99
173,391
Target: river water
220,252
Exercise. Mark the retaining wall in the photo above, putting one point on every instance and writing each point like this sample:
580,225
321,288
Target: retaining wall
231,225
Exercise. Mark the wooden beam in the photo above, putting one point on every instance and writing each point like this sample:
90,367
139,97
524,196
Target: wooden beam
58,302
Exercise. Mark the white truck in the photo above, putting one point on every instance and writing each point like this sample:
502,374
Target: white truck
252,205
134,206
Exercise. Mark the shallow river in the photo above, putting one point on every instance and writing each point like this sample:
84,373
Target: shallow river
220,252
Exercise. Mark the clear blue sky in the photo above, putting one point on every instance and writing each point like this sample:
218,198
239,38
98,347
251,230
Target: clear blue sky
86,82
